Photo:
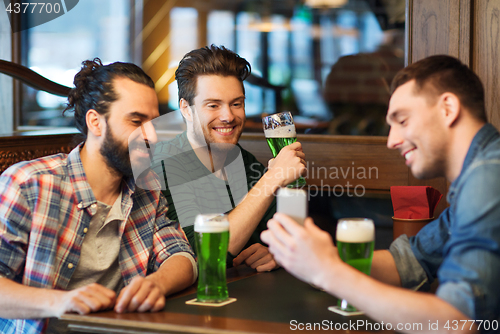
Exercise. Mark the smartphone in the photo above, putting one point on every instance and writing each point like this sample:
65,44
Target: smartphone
292,202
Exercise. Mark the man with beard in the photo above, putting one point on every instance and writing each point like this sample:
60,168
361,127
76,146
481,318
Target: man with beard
76,234
204,168
439,125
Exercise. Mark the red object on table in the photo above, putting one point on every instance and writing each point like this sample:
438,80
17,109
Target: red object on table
414,202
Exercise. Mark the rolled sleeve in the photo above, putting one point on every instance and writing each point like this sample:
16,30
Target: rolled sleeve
419,257
169,238
410,271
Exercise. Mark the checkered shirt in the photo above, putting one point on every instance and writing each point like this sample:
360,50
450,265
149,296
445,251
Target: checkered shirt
45,206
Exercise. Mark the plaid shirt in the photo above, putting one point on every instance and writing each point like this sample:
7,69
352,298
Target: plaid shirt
45,210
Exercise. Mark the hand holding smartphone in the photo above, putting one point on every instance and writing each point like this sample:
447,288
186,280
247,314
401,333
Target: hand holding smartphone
292,202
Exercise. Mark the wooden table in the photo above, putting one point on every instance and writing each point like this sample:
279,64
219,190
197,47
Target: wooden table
273,302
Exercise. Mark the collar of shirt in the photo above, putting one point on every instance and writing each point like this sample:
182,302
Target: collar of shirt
116,211
83,192
483,137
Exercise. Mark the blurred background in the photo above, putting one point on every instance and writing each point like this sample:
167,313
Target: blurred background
329,62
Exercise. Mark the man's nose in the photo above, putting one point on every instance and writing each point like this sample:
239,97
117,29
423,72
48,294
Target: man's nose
394,140
149,133
226,114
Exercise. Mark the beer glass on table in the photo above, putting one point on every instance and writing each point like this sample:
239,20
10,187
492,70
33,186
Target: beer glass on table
355,244
211,241
279,130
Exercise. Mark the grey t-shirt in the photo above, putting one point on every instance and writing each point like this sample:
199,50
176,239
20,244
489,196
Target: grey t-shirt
99,255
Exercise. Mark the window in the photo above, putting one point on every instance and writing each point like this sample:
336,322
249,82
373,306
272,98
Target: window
183,38
220,28
56,49
334,58
6,107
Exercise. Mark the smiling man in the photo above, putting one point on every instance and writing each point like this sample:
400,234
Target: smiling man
438,124
76,234
205,169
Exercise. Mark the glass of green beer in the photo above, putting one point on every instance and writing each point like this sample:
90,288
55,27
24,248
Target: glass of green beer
279,130
355,243
211,241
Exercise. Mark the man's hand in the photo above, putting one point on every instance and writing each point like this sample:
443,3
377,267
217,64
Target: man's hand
288,165
303,251
90,298
257,257
140,295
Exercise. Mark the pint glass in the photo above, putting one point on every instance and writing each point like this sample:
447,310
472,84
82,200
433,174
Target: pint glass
355,243
211,241
279,130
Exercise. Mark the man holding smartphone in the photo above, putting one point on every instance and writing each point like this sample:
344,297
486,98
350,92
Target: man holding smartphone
200,166
438,123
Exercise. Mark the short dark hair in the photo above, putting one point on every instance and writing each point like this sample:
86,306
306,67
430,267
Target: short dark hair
212,60
94,88
439,74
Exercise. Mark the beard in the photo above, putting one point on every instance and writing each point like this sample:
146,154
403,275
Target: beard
436,169
432,165
117,155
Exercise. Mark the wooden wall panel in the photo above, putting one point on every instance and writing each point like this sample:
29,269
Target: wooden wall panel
486,53
465,22
14,149
332,159
439,27
434,28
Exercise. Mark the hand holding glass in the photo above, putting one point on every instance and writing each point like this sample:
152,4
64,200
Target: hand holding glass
279,130
211,241
355,243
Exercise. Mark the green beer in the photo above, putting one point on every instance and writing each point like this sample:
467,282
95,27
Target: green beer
276,144
355,244
211,241
279,131
357,254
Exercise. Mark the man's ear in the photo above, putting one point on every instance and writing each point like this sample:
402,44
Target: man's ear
186,111
94,122
451,108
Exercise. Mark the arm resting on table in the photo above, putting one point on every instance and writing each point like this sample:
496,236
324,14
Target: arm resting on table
148,293
23,302
175,274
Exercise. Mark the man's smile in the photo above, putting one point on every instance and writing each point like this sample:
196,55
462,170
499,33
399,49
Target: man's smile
225,131
409,153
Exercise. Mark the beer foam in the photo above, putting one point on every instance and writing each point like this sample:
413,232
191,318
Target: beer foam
211,223
281,132
355,231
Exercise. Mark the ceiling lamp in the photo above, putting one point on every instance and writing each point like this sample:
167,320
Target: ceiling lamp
325,3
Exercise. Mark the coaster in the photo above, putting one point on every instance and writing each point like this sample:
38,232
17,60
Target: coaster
337,309
195,302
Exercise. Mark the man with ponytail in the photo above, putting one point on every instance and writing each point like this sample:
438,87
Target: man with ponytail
76,233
